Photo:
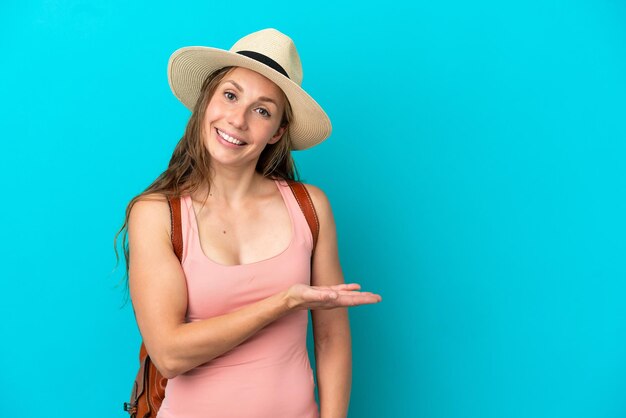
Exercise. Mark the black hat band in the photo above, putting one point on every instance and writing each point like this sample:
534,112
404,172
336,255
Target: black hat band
265,60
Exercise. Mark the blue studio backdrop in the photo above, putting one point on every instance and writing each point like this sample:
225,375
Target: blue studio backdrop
476,171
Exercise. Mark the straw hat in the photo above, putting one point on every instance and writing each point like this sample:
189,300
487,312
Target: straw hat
269,53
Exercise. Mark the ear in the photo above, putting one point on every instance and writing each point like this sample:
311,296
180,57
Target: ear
279,134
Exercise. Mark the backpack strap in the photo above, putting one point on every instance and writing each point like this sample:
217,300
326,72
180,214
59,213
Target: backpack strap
308,209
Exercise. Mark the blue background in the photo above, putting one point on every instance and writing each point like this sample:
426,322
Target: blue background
476,170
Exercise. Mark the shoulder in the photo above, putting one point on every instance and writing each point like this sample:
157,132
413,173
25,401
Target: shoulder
320,201
317,195
151,211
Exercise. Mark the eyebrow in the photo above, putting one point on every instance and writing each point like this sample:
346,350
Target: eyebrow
262,98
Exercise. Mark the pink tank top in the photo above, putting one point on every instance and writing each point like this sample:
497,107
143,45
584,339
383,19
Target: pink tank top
268,375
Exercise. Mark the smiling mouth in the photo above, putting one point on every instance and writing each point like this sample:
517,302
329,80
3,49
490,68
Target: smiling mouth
229,138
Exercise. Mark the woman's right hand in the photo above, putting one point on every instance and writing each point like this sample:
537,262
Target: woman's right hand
301,296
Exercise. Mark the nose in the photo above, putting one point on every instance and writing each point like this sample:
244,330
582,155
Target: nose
237,117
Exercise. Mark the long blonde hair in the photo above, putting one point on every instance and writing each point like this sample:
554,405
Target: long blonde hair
190,165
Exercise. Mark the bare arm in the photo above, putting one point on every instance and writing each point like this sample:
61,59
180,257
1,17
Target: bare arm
331,329
159,295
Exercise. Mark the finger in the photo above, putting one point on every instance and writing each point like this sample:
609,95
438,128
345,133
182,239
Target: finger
344,287
347,302
356,293
361,299
347,286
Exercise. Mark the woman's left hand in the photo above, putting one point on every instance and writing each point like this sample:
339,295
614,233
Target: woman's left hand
301,296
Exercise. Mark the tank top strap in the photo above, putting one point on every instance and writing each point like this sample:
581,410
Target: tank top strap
301,231
187,220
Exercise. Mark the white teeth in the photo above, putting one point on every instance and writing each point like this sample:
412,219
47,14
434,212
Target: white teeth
229,138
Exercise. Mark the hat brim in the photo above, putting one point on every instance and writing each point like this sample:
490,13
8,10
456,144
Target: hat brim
188,68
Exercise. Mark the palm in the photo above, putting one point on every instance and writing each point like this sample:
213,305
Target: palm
330,297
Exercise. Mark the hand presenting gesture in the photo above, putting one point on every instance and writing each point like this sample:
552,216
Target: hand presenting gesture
301,296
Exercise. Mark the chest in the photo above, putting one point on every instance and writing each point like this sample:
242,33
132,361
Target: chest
244,235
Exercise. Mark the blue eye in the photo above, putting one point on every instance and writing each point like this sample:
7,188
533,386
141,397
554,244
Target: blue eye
230,95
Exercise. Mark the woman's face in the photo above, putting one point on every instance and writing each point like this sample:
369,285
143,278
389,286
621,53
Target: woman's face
242,117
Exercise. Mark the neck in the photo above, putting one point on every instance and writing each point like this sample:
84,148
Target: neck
233,186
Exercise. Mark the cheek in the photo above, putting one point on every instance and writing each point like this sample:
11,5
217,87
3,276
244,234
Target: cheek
205,129
269,131
212,109
210,115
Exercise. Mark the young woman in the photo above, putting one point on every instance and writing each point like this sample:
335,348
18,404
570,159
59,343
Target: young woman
227,326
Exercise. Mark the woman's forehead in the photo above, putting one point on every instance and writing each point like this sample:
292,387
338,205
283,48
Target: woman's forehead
253,83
